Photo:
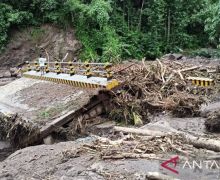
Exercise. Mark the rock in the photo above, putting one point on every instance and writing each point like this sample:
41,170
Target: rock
159,176
49,140
210,108
173,56
7,74
13,71
162,126
212,123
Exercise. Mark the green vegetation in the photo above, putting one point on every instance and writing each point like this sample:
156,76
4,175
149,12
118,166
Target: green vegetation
205,52
119,29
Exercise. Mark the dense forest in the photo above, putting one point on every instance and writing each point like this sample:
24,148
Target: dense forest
119,29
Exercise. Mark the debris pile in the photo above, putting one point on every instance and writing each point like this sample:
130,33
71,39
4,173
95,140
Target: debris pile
156,87
137,146
14,128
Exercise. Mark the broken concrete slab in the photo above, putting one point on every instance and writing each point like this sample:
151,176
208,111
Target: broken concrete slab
37,103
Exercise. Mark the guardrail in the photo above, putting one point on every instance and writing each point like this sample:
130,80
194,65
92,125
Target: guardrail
72,68
200,81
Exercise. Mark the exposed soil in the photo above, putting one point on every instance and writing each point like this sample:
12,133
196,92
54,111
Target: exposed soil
27,44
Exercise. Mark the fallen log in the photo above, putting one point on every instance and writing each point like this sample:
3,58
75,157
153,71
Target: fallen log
205,143
144,132
116,142
190,69
158,176
131,155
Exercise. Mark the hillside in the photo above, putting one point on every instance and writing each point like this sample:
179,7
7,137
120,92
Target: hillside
27,44
115,30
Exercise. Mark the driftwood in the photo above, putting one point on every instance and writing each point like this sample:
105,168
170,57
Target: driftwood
130,155
132,147
115,142
158,176
162,83
162,69
65,57
190,69
168,80
138,131
205,143
179,72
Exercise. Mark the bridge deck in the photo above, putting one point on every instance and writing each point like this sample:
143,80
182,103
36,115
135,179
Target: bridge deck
75,80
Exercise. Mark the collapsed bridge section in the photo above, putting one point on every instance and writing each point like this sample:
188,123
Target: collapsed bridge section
32,109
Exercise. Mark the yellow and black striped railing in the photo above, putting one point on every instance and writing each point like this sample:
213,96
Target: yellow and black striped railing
110,85
199,81
79,74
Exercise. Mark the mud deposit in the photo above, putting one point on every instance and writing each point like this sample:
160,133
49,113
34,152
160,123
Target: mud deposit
66,161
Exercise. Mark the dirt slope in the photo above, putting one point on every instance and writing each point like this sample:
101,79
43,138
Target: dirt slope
26,44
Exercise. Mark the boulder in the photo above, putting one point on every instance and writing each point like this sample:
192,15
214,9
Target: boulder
173,57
